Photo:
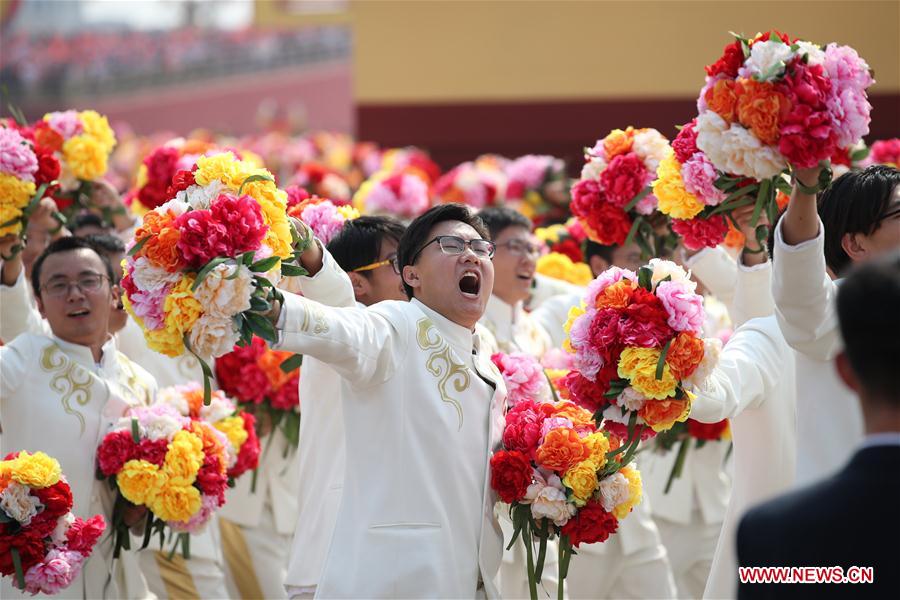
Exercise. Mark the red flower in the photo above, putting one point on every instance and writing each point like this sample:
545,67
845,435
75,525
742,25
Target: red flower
523,427
623,179
807,134
586,194
620,430
116,449
29,545
287,396
706,431
604,332
210,478
700,233
510,475
153,451
886,151
729,63
570,248
607,225
243,220
82,535
181,181
685,143
202,238
48,166
586,393
248,457
645,323
515,190
590,525
57,499
228,367
44,135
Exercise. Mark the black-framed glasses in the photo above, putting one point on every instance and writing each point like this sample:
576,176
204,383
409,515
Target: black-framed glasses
520,247
391,260
86,283
888,215
454,245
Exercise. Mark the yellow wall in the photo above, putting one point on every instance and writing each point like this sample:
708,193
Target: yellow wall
447,51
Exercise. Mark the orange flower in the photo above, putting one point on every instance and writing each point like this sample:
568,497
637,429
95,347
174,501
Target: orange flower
212,446
270,364
782,200
562,449
568,410
618,295
722,100
194,399
662,414
160,249
760,108
618,142
734,238
685,354
454,195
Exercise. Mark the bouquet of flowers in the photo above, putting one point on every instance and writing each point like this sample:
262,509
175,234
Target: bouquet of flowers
560,475
560,266
885,152
636,345
175,466
411,160
205,264
613,199
681,434
324,181
770,102
254,376
538,187
82,141
156,171
565,238
27,170
403,194
478,183
43,546
323,216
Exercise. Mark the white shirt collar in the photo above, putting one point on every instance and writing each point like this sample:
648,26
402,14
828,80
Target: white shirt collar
459,337
83,356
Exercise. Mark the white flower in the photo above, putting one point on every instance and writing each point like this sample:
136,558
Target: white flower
223,297
666,268
335,187
631,399
712,348
220,407
593,168
548,499
174,396
614,491
159,427
651,146
17,502
200,197
735,150
175,206
764,56
151,278
62,528
815,55
213,336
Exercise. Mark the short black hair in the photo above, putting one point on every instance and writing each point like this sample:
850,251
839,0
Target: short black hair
867,306
498,218
418,232
87,219
358,243
853,204
66,244
592,248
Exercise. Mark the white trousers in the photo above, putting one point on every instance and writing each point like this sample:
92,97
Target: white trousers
691,548
256,558
201,576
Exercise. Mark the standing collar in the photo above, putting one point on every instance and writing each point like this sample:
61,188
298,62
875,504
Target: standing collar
459,337
83,356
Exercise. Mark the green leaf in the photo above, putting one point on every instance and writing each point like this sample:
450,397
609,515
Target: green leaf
264,265
261,327
258,304
137,247
725,208
35,200
641,239
135,431
858,155
633,202
661,363
17,567
764,196
205,271
247,259
634,229
645,278
262,282
292,270
292,363
252,178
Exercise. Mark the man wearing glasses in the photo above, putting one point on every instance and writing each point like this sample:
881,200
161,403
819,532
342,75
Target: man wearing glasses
858,218
61,391
423,410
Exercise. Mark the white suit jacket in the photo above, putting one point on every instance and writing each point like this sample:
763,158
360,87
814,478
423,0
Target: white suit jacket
514,329
805,306
55,399
421,420
549,287
754,385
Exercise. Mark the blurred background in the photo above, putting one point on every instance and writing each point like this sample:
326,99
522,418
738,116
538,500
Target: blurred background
457,78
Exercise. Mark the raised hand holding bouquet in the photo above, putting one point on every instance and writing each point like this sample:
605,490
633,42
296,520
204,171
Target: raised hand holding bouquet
559,473
43,546
681,435
204,265
613,199
771,103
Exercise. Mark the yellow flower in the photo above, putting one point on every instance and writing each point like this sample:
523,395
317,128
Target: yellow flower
574,313
582,480
165,341
140,481
184,458
35,470
233,428
348,212
15,192
222,167
97,127
550,234
674,199
634,492
181,307
599,446
85,157
639,365
176,502
560,266
7,214
359,198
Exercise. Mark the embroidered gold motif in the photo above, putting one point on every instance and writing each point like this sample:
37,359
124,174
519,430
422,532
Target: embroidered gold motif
133,383
440,363
321,326
71,380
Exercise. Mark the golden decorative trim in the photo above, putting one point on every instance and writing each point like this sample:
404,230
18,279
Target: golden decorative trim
71,380
440,363
240,563
176,577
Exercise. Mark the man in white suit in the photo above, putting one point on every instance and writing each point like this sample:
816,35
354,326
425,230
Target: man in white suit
359,267
423,410
858,219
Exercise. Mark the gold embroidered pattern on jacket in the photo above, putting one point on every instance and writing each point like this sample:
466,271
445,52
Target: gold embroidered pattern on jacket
71,380
440,363
133,383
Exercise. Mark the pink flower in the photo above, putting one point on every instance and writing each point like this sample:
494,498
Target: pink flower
66,123
16,156
554,423
886,152
851,113
685,308
243,220
556,358
208,506
203,238
324,219
149,306
624,178
56,572
604,280
700,176
580,332
530,170
523,427
524,377
647,204
685,143
701,233
807,135
403,194
846,67
83,534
